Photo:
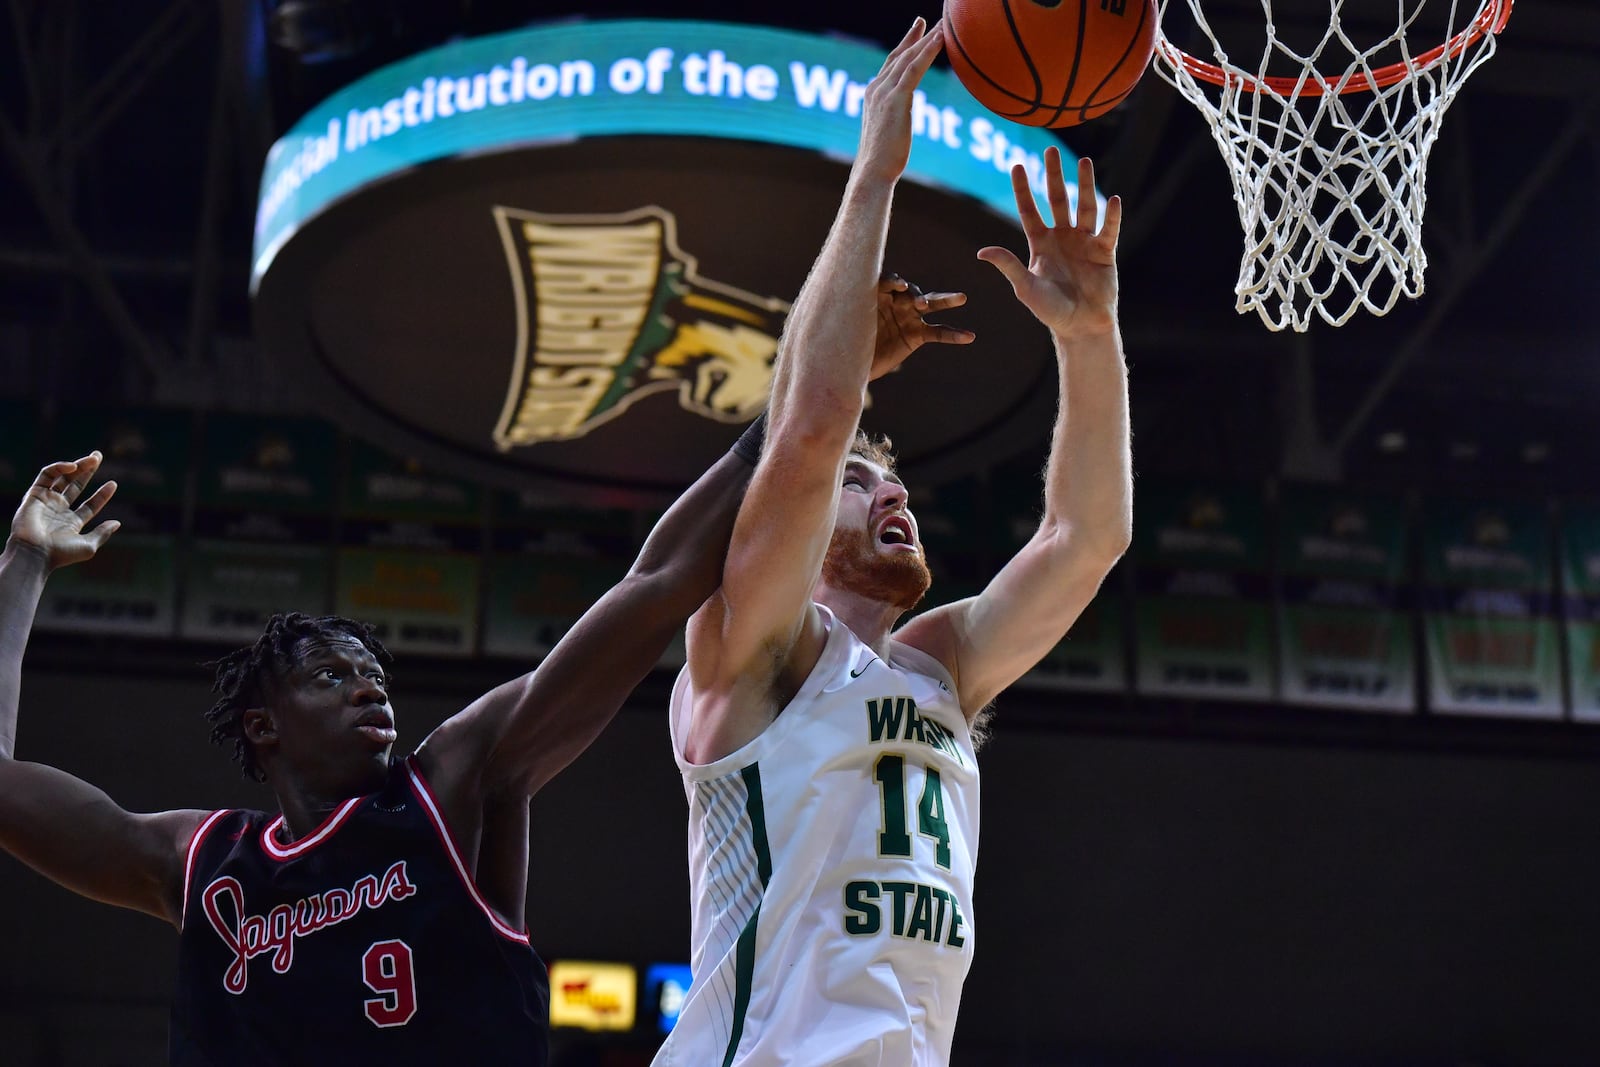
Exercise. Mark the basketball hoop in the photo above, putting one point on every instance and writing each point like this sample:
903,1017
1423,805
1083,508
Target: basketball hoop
1329,169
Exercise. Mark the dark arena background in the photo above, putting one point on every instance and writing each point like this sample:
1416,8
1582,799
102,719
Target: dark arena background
1315,779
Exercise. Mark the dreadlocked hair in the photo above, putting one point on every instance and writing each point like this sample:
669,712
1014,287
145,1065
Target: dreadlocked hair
242,675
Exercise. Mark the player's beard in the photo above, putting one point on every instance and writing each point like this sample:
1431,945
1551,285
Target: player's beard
899,579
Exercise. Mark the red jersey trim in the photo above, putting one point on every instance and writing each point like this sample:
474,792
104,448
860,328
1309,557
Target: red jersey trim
195,840
269,840
429,804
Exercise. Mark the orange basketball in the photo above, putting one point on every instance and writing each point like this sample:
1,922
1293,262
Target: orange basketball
1049,62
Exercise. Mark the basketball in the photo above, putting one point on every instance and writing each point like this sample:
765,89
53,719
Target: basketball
1049,62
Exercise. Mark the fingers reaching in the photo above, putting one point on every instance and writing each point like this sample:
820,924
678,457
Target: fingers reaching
940,301
1112,227
55,474
923,54
1087,208
98,536
91,507
1007,263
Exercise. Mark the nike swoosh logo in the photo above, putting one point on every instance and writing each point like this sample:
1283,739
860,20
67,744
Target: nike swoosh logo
857,674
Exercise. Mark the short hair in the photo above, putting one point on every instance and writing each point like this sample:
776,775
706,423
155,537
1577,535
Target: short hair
874,448
242,675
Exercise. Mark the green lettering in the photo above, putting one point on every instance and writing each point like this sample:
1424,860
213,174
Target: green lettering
930,817
955,940
942,899
862,916
890,771
883,717
914,722
921,924
900,890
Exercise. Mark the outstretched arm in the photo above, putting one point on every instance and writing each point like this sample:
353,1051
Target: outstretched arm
516,737
59,825
1070,285
762,621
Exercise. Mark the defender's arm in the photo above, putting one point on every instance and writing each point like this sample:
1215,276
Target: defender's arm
61,826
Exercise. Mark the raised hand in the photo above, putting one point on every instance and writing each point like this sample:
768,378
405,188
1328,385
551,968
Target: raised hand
886,111
47,522
1070,281
901,326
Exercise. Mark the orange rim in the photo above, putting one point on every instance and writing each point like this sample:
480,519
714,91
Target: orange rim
1491,18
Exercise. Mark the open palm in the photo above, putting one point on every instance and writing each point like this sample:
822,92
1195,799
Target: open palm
47,522
1070,280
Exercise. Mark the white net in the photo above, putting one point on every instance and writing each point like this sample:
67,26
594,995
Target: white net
1328,146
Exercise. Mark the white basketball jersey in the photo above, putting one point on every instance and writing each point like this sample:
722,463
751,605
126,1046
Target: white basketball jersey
831,863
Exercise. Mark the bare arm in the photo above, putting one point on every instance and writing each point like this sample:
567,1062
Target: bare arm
1070,284
59,825
750,631
518,736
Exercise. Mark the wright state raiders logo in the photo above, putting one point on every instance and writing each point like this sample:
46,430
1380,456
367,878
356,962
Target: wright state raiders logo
609,310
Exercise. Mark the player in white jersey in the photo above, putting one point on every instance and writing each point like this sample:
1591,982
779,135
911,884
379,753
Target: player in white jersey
828,758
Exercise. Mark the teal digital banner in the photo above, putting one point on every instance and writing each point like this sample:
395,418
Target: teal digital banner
1345,627
1580,584
1203,620
1490,628
577,80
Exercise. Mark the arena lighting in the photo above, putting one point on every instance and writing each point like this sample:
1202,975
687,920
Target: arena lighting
408,225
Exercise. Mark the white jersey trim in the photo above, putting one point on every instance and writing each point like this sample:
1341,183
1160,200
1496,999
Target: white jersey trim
834,650
195,840
424,794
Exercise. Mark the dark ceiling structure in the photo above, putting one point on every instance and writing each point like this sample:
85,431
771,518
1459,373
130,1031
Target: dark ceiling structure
132,137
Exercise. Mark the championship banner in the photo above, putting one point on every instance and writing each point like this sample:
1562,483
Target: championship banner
1580,584
1345,627
130,587
1093,654
1203,616
263,526
549,562
408,561
1492,641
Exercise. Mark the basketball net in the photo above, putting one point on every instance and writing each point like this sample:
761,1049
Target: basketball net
1329,166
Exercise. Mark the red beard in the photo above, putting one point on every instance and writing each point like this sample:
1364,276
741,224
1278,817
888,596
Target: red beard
899,579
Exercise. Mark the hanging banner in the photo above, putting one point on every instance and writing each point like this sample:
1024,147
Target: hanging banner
409,556
1490,628
1092,656
549,562
263,526
1203,617
1580,582
130,587
1345,626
